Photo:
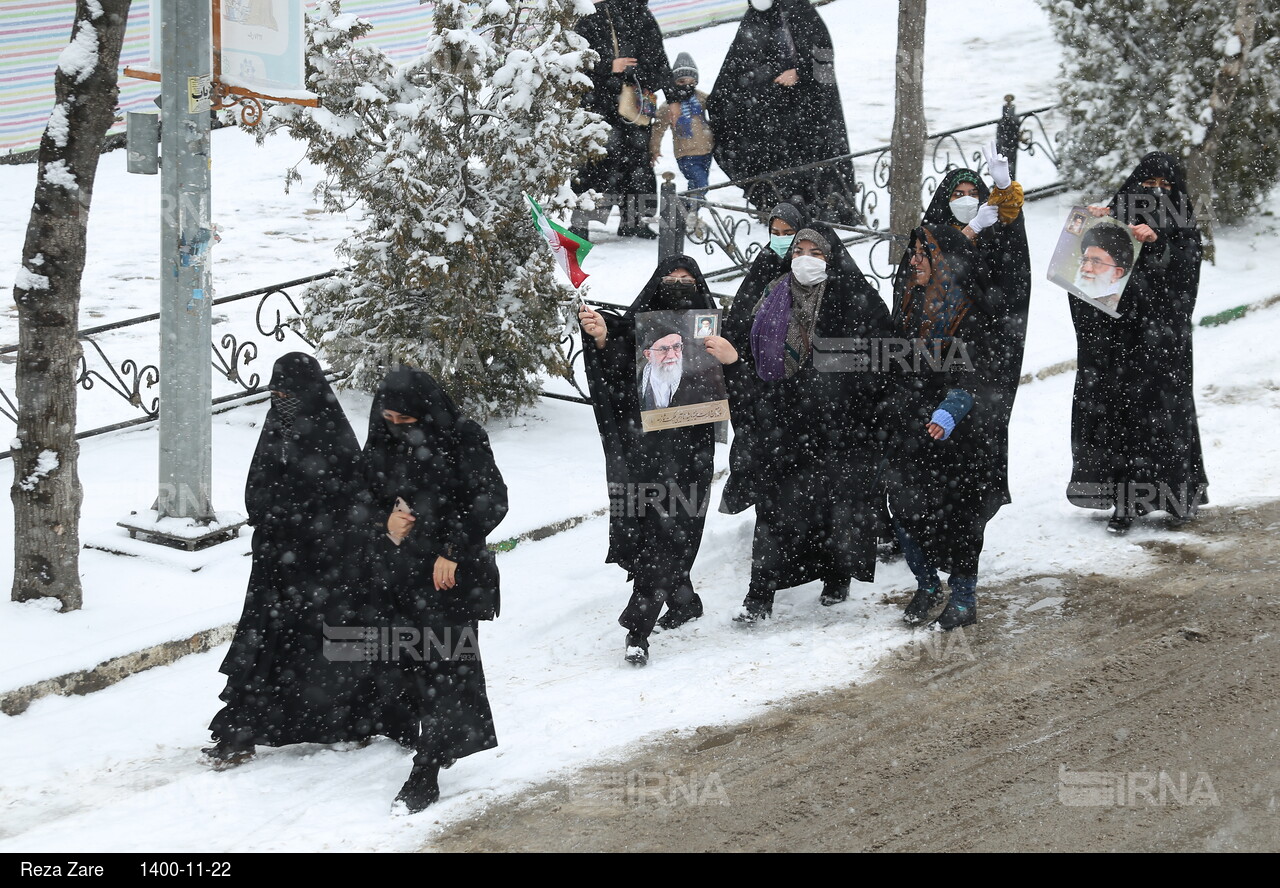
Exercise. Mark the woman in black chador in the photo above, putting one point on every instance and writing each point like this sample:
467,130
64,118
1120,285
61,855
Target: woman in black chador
627,37
805,451
654,542
776,105
434,494
946,475
280,687
1135,442
993,220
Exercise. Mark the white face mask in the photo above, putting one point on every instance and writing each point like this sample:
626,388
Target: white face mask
809,270
965,209
761,5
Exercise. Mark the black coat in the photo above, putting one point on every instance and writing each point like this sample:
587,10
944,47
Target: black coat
644,539
1133,418
805,450
626,168
1006,261
443,468
762,126
943,493
281,688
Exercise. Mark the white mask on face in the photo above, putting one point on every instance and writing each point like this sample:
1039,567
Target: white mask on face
809,270
965,209
761,5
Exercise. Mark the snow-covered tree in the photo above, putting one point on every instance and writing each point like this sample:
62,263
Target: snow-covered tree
447,272
1190,77
46,491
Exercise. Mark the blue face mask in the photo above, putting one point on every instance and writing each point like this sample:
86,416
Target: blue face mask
781,244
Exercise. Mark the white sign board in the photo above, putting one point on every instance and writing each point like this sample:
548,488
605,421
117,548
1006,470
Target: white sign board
263,46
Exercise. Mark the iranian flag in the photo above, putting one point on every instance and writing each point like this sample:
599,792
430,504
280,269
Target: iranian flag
568,248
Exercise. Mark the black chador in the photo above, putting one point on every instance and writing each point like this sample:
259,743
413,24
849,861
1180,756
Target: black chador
422,455
281,689
1135,442
805,451
763,126
625,174
659,481
1006,262
943,490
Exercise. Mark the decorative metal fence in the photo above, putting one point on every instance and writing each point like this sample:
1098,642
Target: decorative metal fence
124,390
857,189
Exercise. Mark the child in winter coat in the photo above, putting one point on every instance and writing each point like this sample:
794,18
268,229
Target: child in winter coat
686,114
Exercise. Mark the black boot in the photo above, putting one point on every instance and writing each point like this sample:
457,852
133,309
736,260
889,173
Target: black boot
834,592
1120,522
677,616
752,612
637,650
422,789
955,615
227,754
922,602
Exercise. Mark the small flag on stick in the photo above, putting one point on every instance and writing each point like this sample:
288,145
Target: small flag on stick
569,249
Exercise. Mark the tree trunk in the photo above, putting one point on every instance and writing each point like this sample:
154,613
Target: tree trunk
909,130
1202,163
46,490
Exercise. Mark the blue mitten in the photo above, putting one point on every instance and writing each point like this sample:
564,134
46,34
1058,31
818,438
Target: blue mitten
943,418
954,407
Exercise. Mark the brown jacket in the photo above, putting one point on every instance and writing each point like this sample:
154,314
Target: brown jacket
701,142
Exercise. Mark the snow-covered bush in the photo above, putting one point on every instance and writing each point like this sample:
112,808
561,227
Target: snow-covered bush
447,272
1138,76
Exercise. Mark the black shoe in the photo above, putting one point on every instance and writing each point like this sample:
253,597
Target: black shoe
1119,524
955,615
752,612
222,756
637,652
421,790
675,617
922,602
834,593
1177,520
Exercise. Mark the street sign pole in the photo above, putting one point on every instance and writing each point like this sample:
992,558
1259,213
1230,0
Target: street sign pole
186,294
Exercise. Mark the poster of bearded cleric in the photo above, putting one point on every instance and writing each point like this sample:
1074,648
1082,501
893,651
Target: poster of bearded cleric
679,383
1093,259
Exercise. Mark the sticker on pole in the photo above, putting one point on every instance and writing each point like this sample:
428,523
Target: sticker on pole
198,94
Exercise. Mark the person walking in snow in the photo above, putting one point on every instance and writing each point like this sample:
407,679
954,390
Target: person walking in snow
654,542
433,494
685,114
993,221
631,69
1135,441
805,451
280,688
945,476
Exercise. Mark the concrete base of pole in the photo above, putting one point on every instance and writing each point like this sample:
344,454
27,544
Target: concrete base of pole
183,533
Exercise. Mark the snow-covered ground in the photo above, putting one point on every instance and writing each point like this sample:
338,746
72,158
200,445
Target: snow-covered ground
119,769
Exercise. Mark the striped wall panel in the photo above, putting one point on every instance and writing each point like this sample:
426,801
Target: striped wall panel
34,33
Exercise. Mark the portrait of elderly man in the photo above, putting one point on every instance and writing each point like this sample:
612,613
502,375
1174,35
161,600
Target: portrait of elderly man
665,379
1106,258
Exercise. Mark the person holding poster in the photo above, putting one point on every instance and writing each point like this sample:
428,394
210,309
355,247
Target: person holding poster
805,452
1135,442
659,481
